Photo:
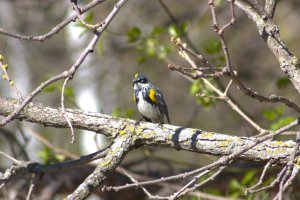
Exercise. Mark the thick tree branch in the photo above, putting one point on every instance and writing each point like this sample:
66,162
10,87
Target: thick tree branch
168,136
117,152
269,31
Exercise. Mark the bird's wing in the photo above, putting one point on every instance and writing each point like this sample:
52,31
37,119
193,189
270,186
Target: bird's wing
159,100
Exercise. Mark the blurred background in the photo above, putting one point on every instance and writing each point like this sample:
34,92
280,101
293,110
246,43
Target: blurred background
138,41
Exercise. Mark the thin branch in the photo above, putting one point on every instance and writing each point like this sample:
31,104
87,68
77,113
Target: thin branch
220,32
87,25
250,190
70,73
54,30
291,172
49,144
261,98
176,22
9,157
222,95
183,47
9,80
150,196
64,110
270,7
198,185
179,192
32,186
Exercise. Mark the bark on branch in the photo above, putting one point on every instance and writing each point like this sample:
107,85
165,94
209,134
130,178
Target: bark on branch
269,32
168,136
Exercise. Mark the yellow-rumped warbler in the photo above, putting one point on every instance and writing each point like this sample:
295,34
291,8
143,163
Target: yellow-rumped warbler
149,100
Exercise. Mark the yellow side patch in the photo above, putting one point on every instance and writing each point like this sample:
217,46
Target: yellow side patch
136,75
134,98
152,95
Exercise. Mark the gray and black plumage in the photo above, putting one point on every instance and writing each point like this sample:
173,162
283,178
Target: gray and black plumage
149,100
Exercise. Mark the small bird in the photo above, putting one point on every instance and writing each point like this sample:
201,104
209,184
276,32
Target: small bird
149,100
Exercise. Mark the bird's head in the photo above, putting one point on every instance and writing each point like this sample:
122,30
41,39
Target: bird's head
139,82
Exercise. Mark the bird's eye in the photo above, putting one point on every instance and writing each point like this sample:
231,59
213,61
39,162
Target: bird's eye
143,81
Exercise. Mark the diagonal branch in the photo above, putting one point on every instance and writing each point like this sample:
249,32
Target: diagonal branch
54,30
270,7
72,70
269,32
117,152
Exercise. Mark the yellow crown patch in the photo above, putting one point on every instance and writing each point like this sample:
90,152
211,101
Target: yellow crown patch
136,75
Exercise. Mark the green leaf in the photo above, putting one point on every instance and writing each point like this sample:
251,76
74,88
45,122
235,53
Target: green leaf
69,92
125,113
282,122
283,82
177,31
162,52
141,59
212,46
157,31
236,185
47,156
133,35
248,178
273,114
50,88
198,87
88,18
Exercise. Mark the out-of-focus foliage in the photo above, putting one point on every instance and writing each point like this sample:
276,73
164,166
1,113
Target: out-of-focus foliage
47,156
213,48
152,44
275,116
125,113
204,94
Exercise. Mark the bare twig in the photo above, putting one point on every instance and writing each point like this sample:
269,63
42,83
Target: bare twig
54,30
49,144
150,196
224,96
87,25
176,22
9,80
250,190
216,75
64,110
220,31
9,157
291,172
261,98
70,73
32,186
219,72
270,7
271,185
198,185
183,47
184,188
